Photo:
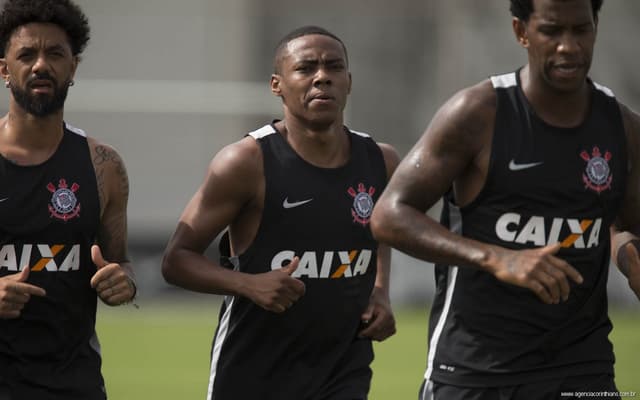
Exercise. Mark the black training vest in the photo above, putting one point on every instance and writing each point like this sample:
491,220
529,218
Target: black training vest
321,215
545,185
49,215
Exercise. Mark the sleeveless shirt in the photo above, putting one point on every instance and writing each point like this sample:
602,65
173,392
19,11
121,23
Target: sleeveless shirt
321,215
49,216
545,185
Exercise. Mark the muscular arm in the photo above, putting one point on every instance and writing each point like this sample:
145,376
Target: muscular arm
115,279
229,186
454,153
625,234
452,143
229,191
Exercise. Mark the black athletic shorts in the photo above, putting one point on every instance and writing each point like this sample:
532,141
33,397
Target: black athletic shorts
569,388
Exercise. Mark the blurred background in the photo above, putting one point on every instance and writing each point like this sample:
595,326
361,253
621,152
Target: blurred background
169,83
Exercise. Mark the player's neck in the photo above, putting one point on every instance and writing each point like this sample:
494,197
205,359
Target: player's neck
547,101
27,139
326,147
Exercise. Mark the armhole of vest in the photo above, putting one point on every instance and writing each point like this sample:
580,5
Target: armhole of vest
503,98
383,163
369,142
610,100
239,260
617,109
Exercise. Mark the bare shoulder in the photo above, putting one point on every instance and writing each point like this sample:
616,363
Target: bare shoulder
391,157
464,124
454,148
472,105
235,174
100,151
229,195
241,159
105,157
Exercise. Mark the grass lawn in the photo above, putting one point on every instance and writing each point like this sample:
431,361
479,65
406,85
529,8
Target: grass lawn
161,352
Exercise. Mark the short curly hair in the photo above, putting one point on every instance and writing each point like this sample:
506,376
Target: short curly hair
522,9
64,13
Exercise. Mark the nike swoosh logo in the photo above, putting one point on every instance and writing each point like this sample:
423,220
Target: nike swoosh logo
6,198
286,203
517,167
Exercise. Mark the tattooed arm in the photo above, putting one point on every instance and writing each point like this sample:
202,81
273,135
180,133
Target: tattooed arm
114,281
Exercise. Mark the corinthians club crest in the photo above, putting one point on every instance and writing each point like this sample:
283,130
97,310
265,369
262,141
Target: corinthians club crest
64,203
597,174
362,203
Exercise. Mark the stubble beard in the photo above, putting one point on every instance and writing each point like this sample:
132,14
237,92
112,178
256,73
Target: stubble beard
41,105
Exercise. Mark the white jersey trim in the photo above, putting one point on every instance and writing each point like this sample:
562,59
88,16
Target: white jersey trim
363,134
504,80
75,130
219,341
604,89
455,218
262,132
268,130
451,285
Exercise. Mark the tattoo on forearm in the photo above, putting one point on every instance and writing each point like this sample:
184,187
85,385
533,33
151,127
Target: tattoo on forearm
113,237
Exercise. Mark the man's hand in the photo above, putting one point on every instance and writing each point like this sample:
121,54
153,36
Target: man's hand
276,290
629,263
378,320
15,293
538,270
111,281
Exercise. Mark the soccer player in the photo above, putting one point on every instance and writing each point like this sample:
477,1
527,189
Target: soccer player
307,287
534,166
63,202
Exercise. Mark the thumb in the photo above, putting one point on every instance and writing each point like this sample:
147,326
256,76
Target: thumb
21,276
551,248
292,266
96,256
367,315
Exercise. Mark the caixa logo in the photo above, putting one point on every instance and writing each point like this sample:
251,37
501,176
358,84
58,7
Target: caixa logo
14,258
327,264
540,231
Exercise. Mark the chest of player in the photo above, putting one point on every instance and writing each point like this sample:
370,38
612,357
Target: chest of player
49,213
549,184
316,205
554,168
40,202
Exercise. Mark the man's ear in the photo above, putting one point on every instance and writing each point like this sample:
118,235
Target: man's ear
74,67
520,30
275,85
4,69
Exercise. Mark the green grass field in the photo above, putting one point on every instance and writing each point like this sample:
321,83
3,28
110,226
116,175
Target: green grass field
161,352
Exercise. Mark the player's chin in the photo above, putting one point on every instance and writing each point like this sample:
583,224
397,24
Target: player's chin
568,81
322,120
